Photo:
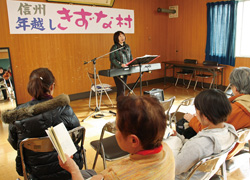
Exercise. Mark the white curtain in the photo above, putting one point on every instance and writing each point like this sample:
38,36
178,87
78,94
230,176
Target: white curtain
243,30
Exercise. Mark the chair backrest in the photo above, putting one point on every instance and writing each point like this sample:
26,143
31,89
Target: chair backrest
107,147
186,102
109,127
98,82
210,63
228,91
191,61
91,77
243,135
43,144
227,88
3,84
167,104
210,165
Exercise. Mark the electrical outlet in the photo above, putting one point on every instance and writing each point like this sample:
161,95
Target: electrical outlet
173,15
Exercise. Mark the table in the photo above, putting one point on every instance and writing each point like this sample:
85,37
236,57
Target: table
195,67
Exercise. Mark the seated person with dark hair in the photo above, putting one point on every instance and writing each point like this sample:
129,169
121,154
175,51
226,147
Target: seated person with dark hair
31,119
240,102
140,125
216,137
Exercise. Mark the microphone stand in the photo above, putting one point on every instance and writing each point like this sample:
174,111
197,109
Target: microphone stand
97,109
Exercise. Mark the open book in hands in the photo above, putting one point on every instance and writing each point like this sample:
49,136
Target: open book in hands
61,141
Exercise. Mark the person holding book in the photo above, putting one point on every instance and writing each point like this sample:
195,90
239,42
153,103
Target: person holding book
140,125
33,118
212,108
119,59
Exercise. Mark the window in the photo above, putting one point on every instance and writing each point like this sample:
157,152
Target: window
242,48
221,32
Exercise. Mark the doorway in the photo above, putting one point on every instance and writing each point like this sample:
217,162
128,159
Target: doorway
7,87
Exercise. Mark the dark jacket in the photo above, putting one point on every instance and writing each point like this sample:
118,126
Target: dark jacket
31,120
122,56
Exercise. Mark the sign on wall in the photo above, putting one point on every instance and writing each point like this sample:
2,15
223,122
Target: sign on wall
26,17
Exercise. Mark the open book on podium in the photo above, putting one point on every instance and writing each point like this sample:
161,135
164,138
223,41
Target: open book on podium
143,60
61,140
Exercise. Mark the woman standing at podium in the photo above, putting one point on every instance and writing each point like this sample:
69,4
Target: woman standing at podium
119,59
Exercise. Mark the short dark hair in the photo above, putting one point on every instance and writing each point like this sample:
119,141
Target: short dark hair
213,104
142,116
116,35
39,82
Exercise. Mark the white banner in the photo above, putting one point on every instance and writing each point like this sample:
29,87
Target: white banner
26,17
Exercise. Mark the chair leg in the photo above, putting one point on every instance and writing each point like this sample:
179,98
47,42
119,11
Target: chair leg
196,79
173,120
177,80
223,171
103,157
249,145
84,158
90,97
170,120
96,157
202,83
190,81
109,98
100,101
211,83
229,85
183,82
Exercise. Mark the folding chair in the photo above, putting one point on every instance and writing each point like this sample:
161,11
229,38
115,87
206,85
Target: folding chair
108,147
206,76
99,88
167,104
3,86
228,91
185,72
43,144
210,165
187,104
238,151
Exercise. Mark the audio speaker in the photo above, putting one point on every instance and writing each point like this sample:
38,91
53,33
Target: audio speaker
157,93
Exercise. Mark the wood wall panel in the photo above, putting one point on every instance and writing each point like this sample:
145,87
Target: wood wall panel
173,39
64,54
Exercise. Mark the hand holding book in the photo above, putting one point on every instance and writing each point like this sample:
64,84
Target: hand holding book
62,141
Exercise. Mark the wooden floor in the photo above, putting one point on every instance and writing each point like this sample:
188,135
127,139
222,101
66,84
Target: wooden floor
93,126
